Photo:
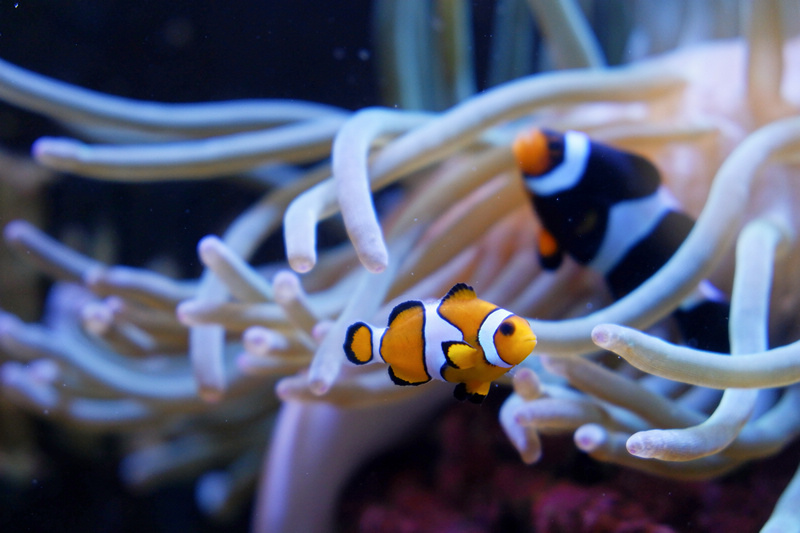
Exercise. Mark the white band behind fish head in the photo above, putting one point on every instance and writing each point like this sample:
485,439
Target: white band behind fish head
486,336
629,222
566,175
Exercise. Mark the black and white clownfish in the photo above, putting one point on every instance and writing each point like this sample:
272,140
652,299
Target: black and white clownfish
460,338
607,209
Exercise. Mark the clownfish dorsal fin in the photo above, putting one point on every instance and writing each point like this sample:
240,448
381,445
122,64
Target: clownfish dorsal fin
462,308
403,309
460,291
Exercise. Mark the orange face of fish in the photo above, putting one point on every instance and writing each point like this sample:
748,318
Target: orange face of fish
514,340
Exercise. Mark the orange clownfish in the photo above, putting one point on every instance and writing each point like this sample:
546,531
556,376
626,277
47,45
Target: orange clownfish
460,338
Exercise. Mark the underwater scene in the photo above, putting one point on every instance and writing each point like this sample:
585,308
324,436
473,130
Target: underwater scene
400,266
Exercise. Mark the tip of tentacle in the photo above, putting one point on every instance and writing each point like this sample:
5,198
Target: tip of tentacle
208,248
601,336
210,388
635,446
50,149
12,230
257,340
375,260
528,444
554,365
291,387
93,276
643,444
302,263
531,454
524,438
97,317
527,384
321,329
286,285
283,389
298,387
589,437
44,371
185,310
211,394
376,266
319,386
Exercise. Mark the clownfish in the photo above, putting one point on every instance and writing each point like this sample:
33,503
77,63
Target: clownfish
608,210
460,339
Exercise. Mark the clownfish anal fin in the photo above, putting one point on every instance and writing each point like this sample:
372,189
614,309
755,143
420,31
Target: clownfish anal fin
402,309
459,355
400,381
460,291
550,253
476,398
461,393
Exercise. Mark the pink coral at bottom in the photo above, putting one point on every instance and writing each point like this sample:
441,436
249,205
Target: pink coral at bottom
465,478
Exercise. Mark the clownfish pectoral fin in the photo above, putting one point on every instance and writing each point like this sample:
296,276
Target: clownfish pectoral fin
466,392
550,253
460,291
459,355
405,380
358,344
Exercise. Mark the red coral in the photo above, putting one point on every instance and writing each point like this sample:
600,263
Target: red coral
567,507
465,478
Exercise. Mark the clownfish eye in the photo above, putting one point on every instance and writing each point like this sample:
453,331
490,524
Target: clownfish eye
507,329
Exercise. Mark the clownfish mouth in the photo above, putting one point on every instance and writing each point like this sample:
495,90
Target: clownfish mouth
529,343
526,345
530,339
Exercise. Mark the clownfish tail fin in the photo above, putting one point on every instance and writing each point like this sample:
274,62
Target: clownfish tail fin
358,343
